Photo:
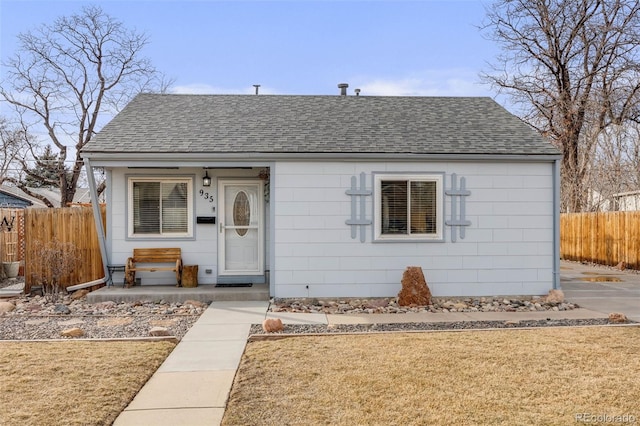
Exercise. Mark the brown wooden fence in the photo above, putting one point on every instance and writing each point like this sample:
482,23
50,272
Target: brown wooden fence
12,235
75,225
607,238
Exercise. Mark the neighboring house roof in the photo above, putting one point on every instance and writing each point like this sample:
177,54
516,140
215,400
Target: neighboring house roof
627,194
82,195
277,124
8,199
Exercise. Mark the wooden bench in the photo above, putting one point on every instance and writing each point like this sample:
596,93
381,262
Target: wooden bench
153,255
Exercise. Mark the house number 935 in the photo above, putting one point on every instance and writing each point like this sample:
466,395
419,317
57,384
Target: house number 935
206,195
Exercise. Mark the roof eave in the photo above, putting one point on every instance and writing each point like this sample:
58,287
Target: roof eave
173,159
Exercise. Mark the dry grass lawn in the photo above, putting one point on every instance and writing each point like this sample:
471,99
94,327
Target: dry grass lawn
543,376
73,382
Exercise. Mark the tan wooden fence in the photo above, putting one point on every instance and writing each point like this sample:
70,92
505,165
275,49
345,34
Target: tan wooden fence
47,227
11,235
607,238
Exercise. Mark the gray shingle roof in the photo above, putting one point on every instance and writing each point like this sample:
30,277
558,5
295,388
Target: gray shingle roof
276,124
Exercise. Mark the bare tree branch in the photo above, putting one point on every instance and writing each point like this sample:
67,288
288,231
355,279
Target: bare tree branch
13,141
68,77
571,66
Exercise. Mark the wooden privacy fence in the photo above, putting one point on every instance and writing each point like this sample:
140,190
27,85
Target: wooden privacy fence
12,235
607,238
67,227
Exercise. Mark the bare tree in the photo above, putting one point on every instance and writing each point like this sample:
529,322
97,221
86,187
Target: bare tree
615,166
571,66
67,78
13,142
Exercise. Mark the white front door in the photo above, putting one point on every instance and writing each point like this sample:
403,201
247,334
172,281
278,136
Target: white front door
241,233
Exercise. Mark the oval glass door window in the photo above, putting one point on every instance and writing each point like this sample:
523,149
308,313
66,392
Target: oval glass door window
241,213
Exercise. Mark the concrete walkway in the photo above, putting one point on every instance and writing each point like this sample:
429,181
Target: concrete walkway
601,289
192,386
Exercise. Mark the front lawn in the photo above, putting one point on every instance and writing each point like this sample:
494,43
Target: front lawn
535,376
73,382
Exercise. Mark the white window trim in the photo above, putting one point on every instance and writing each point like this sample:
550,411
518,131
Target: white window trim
429,177
162,179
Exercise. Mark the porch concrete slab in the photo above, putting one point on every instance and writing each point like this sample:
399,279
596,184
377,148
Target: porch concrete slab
185,390
204,356
299,318
217,332
171,417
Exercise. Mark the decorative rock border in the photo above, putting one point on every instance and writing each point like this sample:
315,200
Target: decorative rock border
391,306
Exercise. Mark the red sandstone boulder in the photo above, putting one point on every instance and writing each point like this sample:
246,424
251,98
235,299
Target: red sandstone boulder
272,325
414,288
617,318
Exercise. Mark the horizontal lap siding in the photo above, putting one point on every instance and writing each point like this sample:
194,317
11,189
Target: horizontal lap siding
201,250
508,249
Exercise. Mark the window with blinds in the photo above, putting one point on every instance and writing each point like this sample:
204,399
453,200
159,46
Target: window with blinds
160,207
408,207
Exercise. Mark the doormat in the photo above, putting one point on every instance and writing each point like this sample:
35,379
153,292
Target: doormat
234,285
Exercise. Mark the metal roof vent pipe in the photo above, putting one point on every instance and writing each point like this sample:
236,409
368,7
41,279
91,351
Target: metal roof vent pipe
343,89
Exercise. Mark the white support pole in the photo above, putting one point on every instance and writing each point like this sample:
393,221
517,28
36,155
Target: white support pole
97,217
556,224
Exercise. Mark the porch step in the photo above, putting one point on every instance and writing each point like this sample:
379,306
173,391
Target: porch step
172,294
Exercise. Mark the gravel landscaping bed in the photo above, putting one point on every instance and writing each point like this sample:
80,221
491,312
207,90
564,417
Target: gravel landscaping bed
106,327
553,302
49,317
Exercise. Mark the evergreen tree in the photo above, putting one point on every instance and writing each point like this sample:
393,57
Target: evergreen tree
47,171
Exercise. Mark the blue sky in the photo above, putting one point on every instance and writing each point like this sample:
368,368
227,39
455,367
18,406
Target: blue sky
414,48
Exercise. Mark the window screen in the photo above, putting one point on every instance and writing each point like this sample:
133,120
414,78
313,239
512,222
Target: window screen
408,207
160,207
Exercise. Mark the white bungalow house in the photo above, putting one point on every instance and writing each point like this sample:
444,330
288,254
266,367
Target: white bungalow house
626,201
333,196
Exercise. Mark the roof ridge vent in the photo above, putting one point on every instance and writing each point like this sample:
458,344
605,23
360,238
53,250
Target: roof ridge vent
343,89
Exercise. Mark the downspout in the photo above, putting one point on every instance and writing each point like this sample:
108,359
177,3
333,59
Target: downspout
556,224
97,217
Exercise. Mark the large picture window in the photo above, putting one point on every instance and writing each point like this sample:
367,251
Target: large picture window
408,207
160,207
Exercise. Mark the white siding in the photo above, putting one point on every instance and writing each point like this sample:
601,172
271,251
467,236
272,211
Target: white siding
508,249
201,250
